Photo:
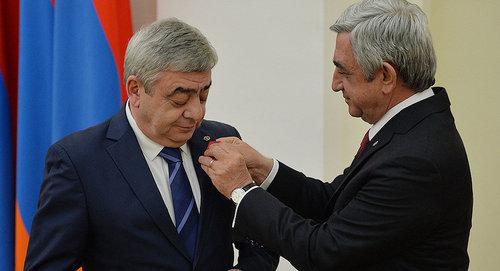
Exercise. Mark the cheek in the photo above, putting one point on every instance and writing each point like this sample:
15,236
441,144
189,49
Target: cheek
164,119
357,99
368,98
203,110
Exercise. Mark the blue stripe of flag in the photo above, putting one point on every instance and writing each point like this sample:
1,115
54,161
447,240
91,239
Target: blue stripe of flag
34,102
6,184
70,85
86,82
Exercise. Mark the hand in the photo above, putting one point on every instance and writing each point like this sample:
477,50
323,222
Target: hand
226,168
258,165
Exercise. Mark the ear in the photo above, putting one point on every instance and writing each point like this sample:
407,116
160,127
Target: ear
389,77
133,86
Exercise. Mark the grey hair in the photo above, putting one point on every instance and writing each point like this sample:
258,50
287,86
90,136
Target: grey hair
167,45
392,31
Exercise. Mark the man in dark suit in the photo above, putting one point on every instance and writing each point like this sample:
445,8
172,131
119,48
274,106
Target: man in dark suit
405,202
129,194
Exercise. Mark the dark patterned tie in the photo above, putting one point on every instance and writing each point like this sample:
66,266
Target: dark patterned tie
186,213
363,144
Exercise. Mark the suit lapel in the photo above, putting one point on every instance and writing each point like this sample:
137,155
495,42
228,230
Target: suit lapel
197,145
127,155
377,143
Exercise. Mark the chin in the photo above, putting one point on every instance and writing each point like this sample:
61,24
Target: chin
354,113
176,143
184,137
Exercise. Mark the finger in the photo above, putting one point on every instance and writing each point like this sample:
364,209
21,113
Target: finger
205,160
225,146
210,171
229,139
206,169
226,149
216,150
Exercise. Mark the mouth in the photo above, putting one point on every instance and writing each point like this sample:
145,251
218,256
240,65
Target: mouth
188,128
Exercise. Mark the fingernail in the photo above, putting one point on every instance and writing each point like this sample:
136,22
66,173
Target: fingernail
211,142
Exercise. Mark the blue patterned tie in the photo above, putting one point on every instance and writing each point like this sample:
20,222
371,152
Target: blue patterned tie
186,213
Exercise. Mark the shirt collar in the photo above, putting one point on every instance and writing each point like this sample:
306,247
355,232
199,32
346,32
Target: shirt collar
417,97
149,148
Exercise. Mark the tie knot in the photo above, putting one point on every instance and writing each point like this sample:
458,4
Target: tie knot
363,144
172,155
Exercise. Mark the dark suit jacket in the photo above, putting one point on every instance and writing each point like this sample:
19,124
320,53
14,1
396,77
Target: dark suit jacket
404,204
99,207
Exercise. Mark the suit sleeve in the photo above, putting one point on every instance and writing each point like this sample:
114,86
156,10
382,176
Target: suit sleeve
389,213
252,255
306,196
255,257
59,228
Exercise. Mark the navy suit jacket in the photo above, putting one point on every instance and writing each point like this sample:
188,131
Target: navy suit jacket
100,208
404,204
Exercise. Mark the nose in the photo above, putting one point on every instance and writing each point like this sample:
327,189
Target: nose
336,82
195,109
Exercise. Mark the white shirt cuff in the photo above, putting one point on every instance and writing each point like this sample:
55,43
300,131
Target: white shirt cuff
267,182
238,205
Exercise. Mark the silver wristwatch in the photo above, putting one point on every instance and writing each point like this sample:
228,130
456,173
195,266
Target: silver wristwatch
238,193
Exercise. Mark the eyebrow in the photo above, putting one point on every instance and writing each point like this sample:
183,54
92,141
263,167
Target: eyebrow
339,65
189,90
207,86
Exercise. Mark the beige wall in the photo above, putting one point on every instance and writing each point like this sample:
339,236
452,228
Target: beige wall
342,132
143,12
467,43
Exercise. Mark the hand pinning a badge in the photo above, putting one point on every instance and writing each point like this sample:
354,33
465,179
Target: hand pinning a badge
225,166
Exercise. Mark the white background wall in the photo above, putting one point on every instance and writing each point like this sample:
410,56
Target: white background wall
269,82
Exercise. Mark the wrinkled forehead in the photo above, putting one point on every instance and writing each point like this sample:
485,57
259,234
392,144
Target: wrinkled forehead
189,80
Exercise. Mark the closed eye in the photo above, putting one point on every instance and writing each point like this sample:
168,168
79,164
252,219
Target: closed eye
204,95
179,99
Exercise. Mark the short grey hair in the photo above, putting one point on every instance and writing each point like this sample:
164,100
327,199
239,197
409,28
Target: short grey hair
392,31
167,45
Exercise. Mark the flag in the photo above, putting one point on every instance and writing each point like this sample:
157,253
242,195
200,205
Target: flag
9,11
6,182
70,77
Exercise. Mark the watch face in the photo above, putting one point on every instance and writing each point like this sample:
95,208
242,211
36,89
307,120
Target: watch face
237,194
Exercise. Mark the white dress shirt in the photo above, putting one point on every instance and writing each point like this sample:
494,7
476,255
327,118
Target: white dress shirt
159,167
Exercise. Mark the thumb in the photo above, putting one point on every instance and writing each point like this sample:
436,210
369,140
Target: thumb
229,139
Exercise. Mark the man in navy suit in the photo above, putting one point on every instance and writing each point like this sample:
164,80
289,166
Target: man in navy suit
129,194
405,202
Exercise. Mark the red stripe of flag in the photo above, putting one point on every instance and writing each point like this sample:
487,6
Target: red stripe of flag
117,24
10,21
